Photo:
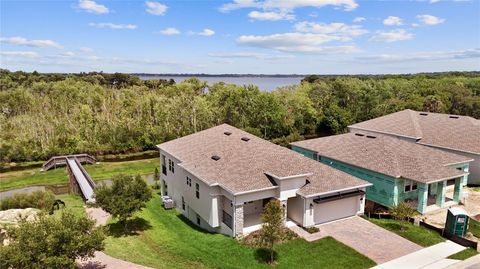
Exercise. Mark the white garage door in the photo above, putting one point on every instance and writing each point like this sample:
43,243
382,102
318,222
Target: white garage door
337,209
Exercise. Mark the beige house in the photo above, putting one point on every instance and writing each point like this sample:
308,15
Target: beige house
450,133
222,177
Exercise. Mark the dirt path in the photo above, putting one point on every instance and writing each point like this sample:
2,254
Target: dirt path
102,260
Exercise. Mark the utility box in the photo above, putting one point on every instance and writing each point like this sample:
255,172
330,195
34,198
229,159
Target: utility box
457,222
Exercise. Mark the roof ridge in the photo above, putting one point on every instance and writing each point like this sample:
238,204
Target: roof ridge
416,125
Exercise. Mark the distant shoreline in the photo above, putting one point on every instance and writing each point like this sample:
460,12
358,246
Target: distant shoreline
222,75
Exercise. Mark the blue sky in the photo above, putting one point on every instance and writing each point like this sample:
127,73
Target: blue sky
243,36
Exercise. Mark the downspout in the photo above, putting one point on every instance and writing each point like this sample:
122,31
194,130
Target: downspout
234,224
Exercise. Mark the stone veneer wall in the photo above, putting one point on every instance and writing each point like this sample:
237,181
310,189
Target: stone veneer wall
238,220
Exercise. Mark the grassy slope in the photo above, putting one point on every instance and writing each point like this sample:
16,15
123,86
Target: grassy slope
417,234
104,170
171,242
73,203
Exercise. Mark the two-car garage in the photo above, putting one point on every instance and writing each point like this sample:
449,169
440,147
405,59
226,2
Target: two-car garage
317,210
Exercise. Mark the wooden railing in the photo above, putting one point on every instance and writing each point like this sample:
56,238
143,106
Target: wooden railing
61,160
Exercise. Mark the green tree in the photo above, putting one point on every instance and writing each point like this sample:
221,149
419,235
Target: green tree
273,227
124,197
51,242
156,177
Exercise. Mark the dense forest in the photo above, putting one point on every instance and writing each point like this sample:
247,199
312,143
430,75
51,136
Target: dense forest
42,115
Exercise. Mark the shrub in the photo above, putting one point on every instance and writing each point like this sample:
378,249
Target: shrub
402,211
311,229
36,199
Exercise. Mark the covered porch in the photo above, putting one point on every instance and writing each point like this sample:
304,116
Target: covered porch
433,196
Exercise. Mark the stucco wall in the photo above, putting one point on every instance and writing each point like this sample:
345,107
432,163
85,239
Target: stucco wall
295,209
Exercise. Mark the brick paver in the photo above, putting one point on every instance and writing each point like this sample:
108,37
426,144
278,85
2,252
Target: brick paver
369,239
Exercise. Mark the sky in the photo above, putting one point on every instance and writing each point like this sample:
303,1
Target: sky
241,36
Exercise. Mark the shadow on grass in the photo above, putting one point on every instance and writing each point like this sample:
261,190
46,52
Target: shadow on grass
134,226
396,226
192,225
263,255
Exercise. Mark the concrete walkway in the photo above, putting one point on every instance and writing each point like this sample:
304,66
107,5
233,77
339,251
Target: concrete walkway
470,263
434,257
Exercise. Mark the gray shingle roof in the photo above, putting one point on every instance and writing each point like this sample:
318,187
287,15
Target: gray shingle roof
448,131
387,155
243,164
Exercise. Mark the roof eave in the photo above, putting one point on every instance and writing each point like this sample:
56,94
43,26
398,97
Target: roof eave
338,190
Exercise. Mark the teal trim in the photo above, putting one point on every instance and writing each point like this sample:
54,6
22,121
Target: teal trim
422,197
305,152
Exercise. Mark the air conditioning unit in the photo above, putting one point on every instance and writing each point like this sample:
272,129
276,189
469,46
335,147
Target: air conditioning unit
168,202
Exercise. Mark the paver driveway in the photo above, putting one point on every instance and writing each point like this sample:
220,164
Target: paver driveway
369,239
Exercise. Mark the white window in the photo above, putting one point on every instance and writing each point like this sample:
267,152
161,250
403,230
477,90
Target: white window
171,166
197,192
189,181
410,185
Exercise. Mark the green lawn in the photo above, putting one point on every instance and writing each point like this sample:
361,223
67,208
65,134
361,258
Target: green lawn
417,234
104,170
167,241
464,254
474,227
73,203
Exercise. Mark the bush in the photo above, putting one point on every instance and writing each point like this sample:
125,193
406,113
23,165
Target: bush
311,229
402,211
36,199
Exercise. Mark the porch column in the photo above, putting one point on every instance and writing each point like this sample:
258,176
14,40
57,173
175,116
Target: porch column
284,206
238,219
458,191
441,190
422,197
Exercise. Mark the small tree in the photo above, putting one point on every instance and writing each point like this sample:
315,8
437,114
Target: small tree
126,196
156,177
51,242
402,211
273,228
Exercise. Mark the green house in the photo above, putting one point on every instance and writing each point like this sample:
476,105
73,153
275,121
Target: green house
399,170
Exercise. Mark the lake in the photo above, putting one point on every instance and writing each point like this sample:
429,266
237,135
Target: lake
264,83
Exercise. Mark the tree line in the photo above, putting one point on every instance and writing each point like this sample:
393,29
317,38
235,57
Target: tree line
42,115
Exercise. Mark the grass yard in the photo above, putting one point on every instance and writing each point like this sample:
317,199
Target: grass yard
464,254
104,170
417,234
165,240
474,227
73,203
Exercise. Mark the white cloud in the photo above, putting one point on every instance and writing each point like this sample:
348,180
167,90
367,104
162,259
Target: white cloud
252,55
434,1
170,31
271,16
23,54
359,19
92,7
392,36
392,20
156,8
205,32
113,26
424,56
68,54
430,20
85,49
39,43
336,28
288,5
296,42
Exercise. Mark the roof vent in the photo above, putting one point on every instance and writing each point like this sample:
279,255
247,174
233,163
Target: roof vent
453,117
357,134
371,136
215,158
245,139
227,133
423,114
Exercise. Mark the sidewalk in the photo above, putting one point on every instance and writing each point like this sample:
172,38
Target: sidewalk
434,257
